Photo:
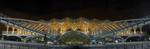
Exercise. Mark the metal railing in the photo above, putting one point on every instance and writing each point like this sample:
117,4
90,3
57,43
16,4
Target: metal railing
126,45
21,45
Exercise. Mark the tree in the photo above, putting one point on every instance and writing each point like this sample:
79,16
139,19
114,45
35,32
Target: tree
74,38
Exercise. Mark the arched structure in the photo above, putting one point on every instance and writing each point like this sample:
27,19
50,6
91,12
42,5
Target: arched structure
57,28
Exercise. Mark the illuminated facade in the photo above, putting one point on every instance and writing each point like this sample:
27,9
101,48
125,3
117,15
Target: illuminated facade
88,27
73,31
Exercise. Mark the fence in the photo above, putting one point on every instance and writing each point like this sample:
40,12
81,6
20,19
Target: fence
20,45
126,45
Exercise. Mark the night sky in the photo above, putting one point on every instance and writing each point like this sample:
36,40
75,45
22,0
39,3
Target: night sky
100,9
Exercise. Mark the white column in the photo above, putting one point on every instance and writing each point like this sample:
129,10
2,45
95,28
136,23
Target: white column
7,29
13,30
134,30
141,32
128,32
20,32
23,32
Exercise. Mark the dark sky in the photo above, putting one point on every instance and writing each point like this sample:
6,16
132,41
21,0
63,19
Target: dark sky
101,9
